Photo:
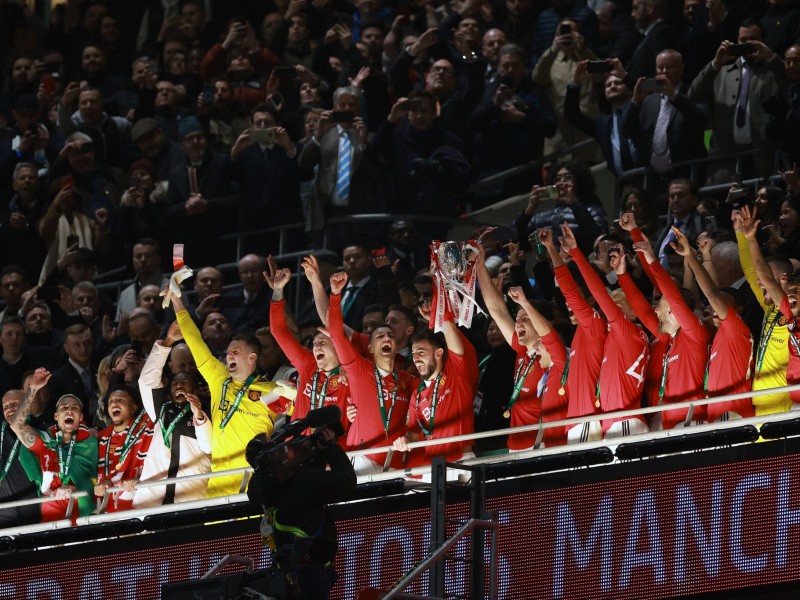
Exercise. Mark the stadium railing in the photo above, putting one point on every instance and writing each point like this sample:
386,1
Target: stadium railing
561,452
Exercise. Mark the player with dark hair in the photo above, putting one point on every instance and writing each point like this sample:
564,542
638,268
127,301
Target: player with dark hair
441,405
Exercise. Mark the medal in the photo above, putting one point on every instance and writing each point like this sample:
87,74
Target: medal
561,391
597,403
506,414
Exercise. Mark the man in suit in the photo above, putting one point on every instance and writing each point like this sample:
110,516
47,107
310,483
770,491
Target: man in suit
76,376
264,161
618,150
738,118
349,176
250,313
658,35
361,290
666,126
683,200
202,198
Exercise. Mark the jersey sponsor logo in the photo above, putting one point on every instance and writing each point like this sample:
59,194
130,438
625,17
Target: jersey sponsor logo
673,358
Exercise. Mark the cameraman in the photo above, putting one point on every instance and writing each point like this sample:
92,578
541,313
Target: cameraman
303,536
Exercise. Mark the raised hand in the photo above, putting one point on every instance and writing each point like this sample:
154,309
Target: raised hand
40,378
173,334
310,266
546,238
681,244
749,223
647,251
514,253
567,239
517,295
278,279
627,221
338,282
618,260
424,309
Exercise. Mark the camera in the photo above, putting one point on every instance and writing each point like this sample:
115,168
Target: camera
278,459
652,85
551,192
741,50
599,66
263,136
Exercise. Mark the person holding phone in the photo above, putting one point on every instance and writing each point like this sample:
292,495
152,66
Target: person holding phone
665,125
554,72
350,177
737,84
562,19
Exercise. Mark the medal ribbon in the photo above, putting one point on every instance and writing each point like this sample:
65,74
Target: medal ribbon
762,343
519,380
482,366
324,394
663,385
382,400
564,377
236,400
127,443
63,465
167,433
434,404
11,456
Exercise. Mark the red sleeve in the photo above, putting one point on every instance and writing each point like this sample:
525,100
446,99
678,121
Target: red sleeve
297,354
596,287
575,300
468,362
688,321
556,349
639,303
344,349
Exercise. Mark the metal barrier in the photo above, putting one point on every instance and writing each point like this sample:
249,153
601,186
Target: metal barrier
394,474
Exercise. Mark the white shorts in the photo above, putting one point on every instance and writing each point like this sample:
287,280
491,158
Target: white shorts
365,466
585,432
627,427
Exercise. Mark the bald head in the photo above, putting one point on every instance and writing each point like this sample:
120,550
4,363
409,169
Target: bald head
11,403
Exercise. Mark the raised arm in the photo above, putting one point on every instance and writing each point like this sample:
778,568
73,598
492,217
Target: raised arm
456,343
566,282
764,273
310,266
344,348
636,299
19,424
150,377
746,257
277,280
493,299
704,280
540,324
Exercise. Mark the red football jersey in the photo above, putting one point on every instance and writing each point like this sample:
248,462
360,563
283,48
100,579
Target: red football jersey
527,410
380,420
451,413
683,368
626,349
402,360
113,466
587,348
330,387
554,403
730,366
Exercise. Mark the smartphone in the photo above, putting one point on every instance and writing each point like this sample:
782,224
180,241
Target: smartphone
136,346
564,29
738,193
550,192
520,103
286,73
710,223
48,293
227,302
415,104
208,94
741,49
343,116
599,66
507,80
652,85
135,181
67,181
72,240
445,35
263,136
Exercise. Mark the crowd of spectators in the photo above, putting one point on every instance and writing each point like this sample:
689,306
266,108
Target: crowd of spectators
130,127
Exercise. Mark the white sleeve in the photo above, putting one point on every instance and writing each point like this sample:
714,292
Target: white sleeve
150,377
203,434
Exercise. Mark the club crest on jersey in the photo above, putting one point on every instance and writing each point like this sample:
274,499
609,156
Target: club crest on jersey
334,383
783,320
254,395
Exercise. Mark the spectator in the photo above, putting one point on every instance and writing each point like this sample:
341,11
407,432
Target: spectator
581,19
15,362
618,150
248,313
649,17
576,204
147,271
682,198
667,127
738,117
349,177
75,377
20,242
617,36
225,116
512,120
152,141
201,201
492,41
13,285
553,72
143,329
216,333
417,144
44,344
408,247
785,238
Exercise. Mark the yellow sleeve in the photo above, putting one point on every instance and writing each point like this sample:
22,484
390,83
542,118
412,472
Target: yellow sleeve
210,368
749,268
